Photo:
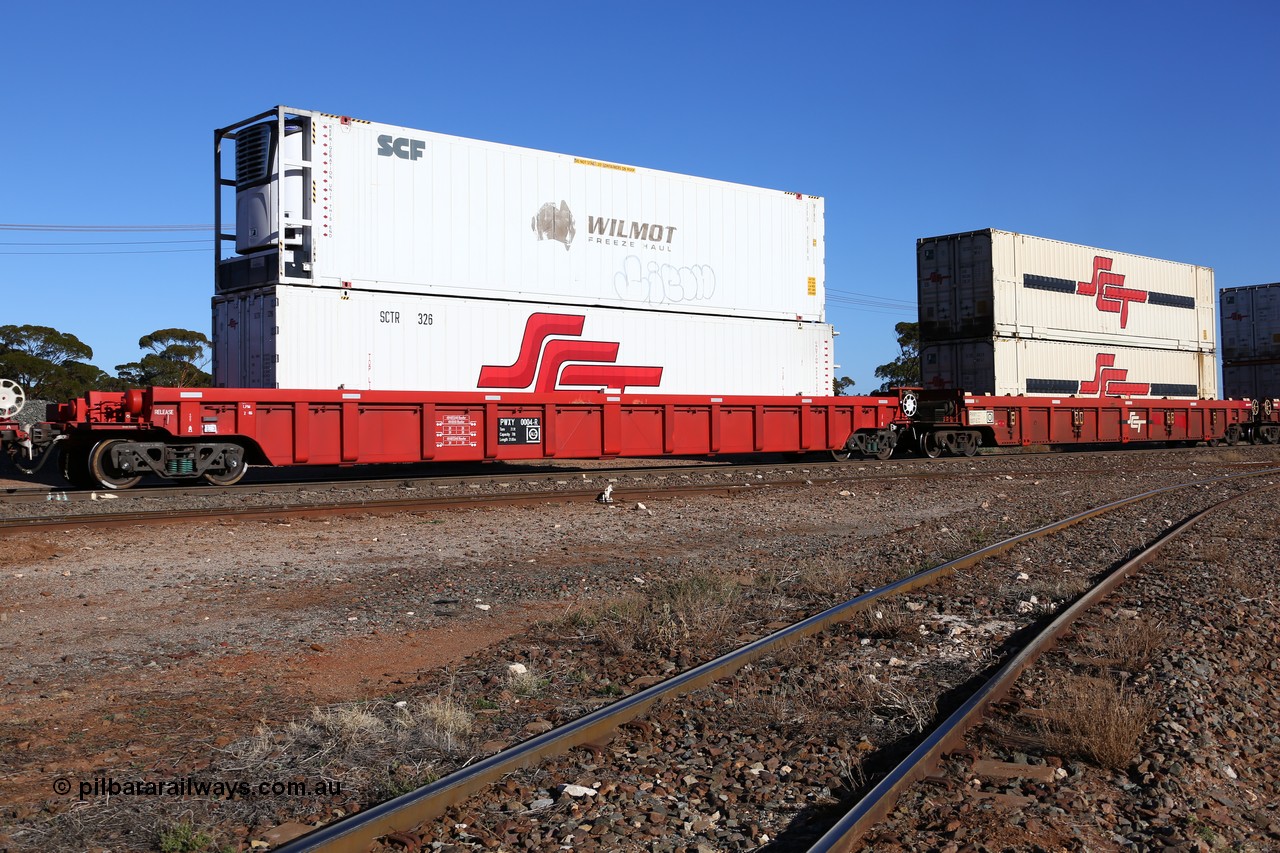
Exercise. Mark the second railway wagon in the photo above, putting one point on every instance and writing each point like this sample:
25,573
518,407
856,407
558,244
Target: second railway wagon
959,423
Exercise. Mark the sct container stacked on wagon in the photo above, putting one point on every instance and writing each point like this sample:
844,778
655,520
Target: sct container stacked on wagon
1251,342
1005,313
375,257
1027,341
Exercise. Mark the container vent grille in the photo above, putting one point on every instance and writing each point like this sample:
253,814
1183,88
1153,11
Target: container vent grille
254,155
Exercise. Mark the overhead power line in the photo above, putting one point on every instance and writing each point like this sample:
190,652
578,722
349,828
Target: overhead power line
125,252
102,228
100,243
68,247
854,297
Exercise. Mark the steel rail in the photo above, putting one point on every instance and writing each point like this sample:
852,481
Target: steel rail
532,470
950,734
200,489
354,834
516,473
377,507
826,472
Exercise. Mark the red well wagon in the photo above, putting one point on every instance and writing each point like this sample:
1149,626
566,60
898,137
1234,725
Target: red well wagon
111,440
956,422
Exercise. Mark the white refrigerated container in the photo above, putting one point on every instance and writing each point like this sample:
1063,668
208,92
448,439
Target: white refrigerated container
329,201
306,337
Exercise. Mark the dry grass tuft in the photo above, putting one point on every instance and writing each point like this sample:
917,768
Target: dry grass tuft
576,622
782,587
1214,551
1059,587
885,622
348,730
168,826
1133,643
685,615
807,688
447,720
374,747
1094,718
1249,582
898,705
526,683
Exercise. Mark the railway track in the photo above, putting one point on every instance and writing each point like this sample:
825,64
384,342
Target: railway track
407,821
467,474
370,506
169,504
949,735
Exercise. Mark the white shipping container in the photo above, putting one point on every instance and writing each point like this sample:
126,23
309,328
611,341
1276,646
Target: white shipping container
1035,367
329,201
995,284
303,337
1253,381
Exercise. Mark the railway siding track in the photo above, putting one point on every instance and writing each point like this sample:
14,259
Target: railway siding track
394,819
1151,724
949,735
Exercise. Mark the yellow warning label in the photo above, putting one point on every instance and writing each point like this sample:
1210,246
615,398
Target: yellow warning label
813,286
581,162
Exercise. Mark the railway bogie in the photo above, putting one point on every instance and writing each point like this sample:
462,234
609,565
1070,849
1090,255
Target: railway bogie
119,463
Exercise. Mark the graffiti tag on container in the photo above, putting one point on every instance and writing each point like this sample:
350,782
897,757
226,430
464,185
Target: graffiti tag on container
663,284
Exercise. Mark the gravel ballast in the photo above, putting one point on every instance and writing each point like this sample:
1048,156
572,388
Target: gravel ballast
165,650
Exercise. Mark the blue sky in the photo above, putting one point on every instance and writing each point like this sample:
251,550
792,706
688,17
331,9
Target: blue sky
1143,127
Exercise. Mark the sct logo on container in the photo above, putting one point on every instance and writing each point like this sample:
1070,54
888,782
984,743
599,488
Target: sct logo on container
1107,288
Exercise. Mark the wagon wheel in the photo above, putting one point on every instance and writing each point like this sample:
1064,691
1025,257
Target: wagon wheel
11,398
930,445
235,475
969,444
884,450
842,454
103,470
